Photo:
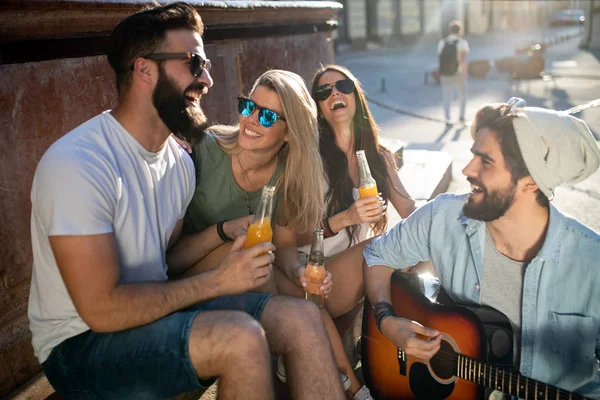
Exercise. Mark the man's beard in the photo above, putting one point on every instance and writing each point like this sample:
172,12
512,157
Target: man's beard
185,121
494,204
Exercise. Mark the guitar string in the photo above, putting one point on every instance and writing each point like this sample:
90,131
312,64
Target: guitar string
530,386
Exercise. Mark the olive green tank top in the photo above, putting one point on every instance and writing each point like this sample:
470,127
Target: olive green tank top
218,197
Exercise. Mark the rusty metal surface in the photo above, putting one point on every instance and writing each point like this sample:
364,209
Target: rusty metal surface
41,101
34,19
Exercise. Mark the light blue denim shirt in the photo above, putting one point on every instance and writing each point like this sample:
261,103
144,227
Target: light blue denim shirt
560,338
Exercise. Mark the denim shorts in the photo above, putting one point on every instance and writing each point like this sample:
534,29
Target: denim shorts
147,362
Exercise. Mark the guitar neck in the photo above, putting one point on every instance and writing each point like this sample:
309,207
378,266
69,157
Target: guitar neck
510,382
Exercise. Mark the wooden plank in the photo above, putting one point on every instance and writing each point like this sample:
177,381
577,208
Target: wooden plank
37,388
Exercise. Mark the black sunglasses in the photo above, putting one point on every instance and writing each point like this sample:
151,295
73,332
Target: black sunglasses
197,63
345,86
266,117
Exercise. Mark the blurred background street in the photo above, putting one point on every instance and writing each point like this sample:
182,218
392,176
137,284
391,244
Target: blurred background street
394,81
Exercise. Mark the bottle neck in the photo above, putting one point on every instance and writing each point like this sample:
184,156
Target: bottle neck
265,206
364,172
317,256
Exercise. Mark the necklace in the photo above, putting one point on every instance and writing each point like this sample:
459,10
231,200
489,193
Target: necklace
247,178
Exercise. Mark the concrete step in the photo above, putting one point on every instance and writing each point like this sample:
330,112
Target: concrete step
425,173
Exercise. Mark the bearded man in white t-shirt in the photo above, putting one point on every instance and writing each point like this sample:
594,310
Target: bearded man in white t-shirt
108,201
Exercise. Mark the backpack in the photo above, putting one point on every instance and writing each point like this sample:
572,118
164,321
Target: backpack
449,59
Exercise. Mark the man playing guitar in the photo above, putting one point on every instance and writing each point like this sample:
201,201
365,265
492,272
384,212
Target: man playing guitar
505,246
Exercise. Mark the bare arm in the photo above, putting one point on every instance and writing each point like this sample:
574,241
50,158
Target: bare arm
89,266
400,331
368,209
188,250
377,282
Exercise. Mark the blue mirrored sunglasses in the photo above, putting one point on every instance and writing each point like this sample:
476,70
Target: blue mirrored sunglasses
266,117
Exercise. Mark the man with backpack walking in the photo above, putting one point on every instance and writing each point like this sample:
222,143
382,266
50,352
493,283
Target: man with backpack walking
452,52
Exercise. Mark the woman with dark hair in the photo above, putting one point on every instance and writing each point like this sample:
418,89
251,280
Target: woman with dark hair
345,126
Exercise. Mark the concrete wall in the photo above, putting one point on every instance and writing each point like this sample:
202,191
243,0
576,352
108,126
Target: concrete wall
54,76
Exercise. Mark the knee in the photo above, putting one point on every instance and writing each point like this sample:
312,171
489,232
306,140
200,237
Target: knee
246,332
236,333
302,314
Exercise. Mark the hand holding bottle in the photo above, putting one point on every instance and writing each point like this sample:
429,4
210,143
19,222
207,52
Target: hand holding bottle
237,227
368,209
244,270
315,272
300,280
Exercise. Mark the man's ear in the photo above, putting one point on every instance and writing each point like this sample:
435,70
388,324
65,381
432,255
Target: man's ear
528,185
145,70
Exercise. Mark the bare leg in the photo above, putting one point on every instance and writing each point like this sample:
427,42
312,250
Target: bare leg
348,286
294,330
232,346
341,358
289,288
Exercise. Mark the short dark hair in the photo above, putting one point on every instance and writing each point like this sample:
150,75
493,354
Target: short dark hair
142,33
495,117
455,27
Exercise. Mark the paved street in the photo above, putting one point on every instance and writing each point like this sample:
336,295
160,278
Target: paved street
576,81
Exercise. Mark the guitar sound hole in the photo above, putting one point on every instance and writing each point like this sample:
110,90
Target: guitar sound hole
443,363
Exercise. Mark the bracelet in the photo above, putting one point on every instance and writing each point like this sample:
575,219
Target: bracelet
222,233
381,311
327,231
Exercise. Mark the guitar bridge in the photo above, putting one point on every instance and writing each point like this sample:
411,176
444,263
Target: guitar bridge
402,361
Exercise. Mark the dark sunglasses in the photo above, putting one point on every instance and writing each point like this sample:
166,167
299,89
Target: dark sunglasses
197,63
345,86
266,117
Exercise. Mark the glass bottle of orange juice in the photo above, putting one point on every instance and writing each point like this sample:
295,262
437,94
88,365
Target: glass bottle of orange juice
260,230
366,184
315,270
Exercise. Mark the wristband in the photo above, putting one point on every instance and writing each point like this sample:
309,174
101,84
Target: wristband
381,311
327,231
221,232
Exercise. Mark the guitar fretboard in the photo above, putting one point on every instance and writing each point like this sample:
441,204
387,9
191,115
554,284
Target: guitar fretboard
507,381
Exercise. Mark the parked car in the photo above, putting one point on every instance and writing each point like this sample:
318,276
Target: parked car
568,17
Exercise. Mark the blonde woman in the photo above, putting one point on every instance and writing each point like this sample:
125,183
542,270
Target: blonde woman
276,142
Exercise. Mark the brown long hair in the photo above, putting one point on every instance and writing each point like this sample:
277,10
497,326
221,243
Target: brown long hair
339,196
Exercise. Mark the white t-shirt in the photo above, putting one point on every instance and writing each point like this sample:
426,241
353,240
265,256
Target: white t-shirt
462,46
99,179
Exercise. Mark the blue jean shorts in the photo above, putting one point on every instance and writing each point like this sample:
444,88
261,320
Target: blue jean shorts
147,362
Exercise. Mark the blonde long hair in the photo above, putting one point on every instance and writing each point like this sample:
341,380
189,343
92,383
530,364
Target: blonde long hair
300,184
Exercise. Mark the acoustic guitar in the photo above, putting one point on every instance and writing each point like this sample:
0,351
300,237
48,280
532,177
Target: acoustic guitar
460,370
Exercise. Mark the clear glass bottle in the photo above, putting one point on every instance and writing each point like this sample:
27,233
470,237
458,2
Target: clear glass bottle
366,184
315,270
260,230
